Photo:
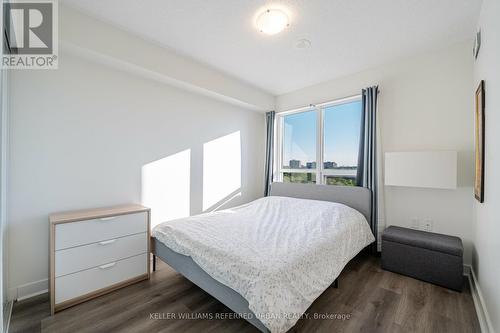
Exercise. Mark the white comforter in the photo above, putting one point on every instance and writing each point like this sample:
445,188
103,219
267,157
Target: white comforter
279,253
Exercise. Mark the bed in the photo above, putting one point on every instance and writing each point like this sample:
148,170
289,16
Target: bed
270,259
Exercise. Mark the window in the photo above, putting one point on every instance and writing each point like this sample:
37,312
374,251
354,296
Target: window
299,147
299,177
320,144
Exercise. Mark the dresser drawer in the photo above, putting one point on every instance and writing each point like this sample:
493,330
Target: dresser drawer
91,280
87,256
91,231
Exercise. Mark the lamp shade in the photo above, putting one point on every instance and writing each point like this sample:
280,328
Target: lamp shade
429,169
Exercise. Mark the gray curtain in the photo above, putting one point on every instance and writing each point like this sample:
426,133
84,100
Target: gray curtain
269,151
367,157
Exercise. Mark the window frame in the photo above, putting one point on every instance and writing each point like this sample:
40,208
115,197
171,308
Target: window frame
319,109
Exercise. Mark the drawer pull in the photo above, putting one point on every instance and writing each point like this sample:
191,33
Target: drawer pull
111,264
111,241
107,218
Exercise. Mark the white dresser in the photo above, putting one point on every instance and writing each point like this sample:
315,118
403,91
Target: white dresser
93,252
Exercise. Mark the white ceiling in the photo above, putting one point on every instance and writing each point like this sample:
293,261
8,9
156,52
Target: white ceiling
347,36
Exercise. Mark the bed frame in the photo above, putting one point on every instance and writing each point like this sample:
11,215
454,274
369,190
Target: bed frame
354,197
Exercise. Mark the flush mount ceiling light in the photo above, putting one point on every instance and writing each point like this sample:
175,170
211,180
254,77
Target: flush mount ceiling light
272,21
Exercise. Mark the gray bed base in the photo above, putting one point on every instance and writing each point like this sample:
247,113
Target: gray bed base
355,197
227,296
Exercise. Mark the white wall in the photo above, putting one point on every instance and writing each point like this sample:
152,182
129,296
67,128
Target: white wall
3,228
486,250
4,118
90,37
424,104
3,187
81,135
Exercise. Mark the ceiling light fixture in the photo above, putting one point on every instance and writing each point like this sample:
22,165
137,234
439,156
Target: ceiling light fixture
272,21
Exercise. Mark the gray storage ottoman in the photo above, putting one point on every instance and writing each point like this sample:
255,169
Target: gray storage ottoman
427,256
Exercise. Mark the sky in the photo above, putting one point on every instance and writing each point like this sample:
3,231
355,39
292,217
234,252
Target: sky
341,128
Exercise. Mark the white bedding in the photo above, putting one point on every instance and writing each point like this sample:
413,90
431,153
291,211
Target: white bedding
279,253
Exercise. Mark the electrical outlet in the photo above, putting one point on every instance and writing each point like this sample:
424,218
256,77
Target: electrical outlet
427,225
415,223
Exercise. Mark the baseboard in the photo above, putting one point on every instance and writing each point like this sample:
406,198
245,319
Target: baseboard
477,297
7,313
28,290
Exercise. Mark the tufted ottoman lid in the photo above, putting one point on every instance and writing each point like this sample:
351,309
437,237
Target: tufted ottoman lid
423,239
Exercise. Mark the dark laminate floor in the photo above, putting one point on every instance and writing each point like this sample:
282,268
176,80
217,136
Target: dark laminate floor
375,301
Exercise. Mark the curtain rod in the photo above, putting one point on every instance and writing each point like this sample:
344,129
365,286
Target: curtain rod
335,101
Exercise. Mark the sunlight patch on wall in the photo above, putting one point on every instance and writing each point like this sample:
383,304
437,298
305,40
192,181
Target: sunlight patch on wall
221,168
166,187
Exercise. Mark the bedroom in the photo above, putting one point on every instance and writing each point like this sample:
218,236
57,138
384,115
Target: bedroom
172,109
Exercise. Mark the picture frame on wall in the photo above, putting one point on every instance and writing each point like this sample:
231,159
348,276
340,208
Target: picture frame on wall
479,143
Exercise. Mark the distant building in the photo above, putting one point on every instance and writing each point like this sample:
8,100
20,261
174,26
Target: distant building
294,164
311,165
329,165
